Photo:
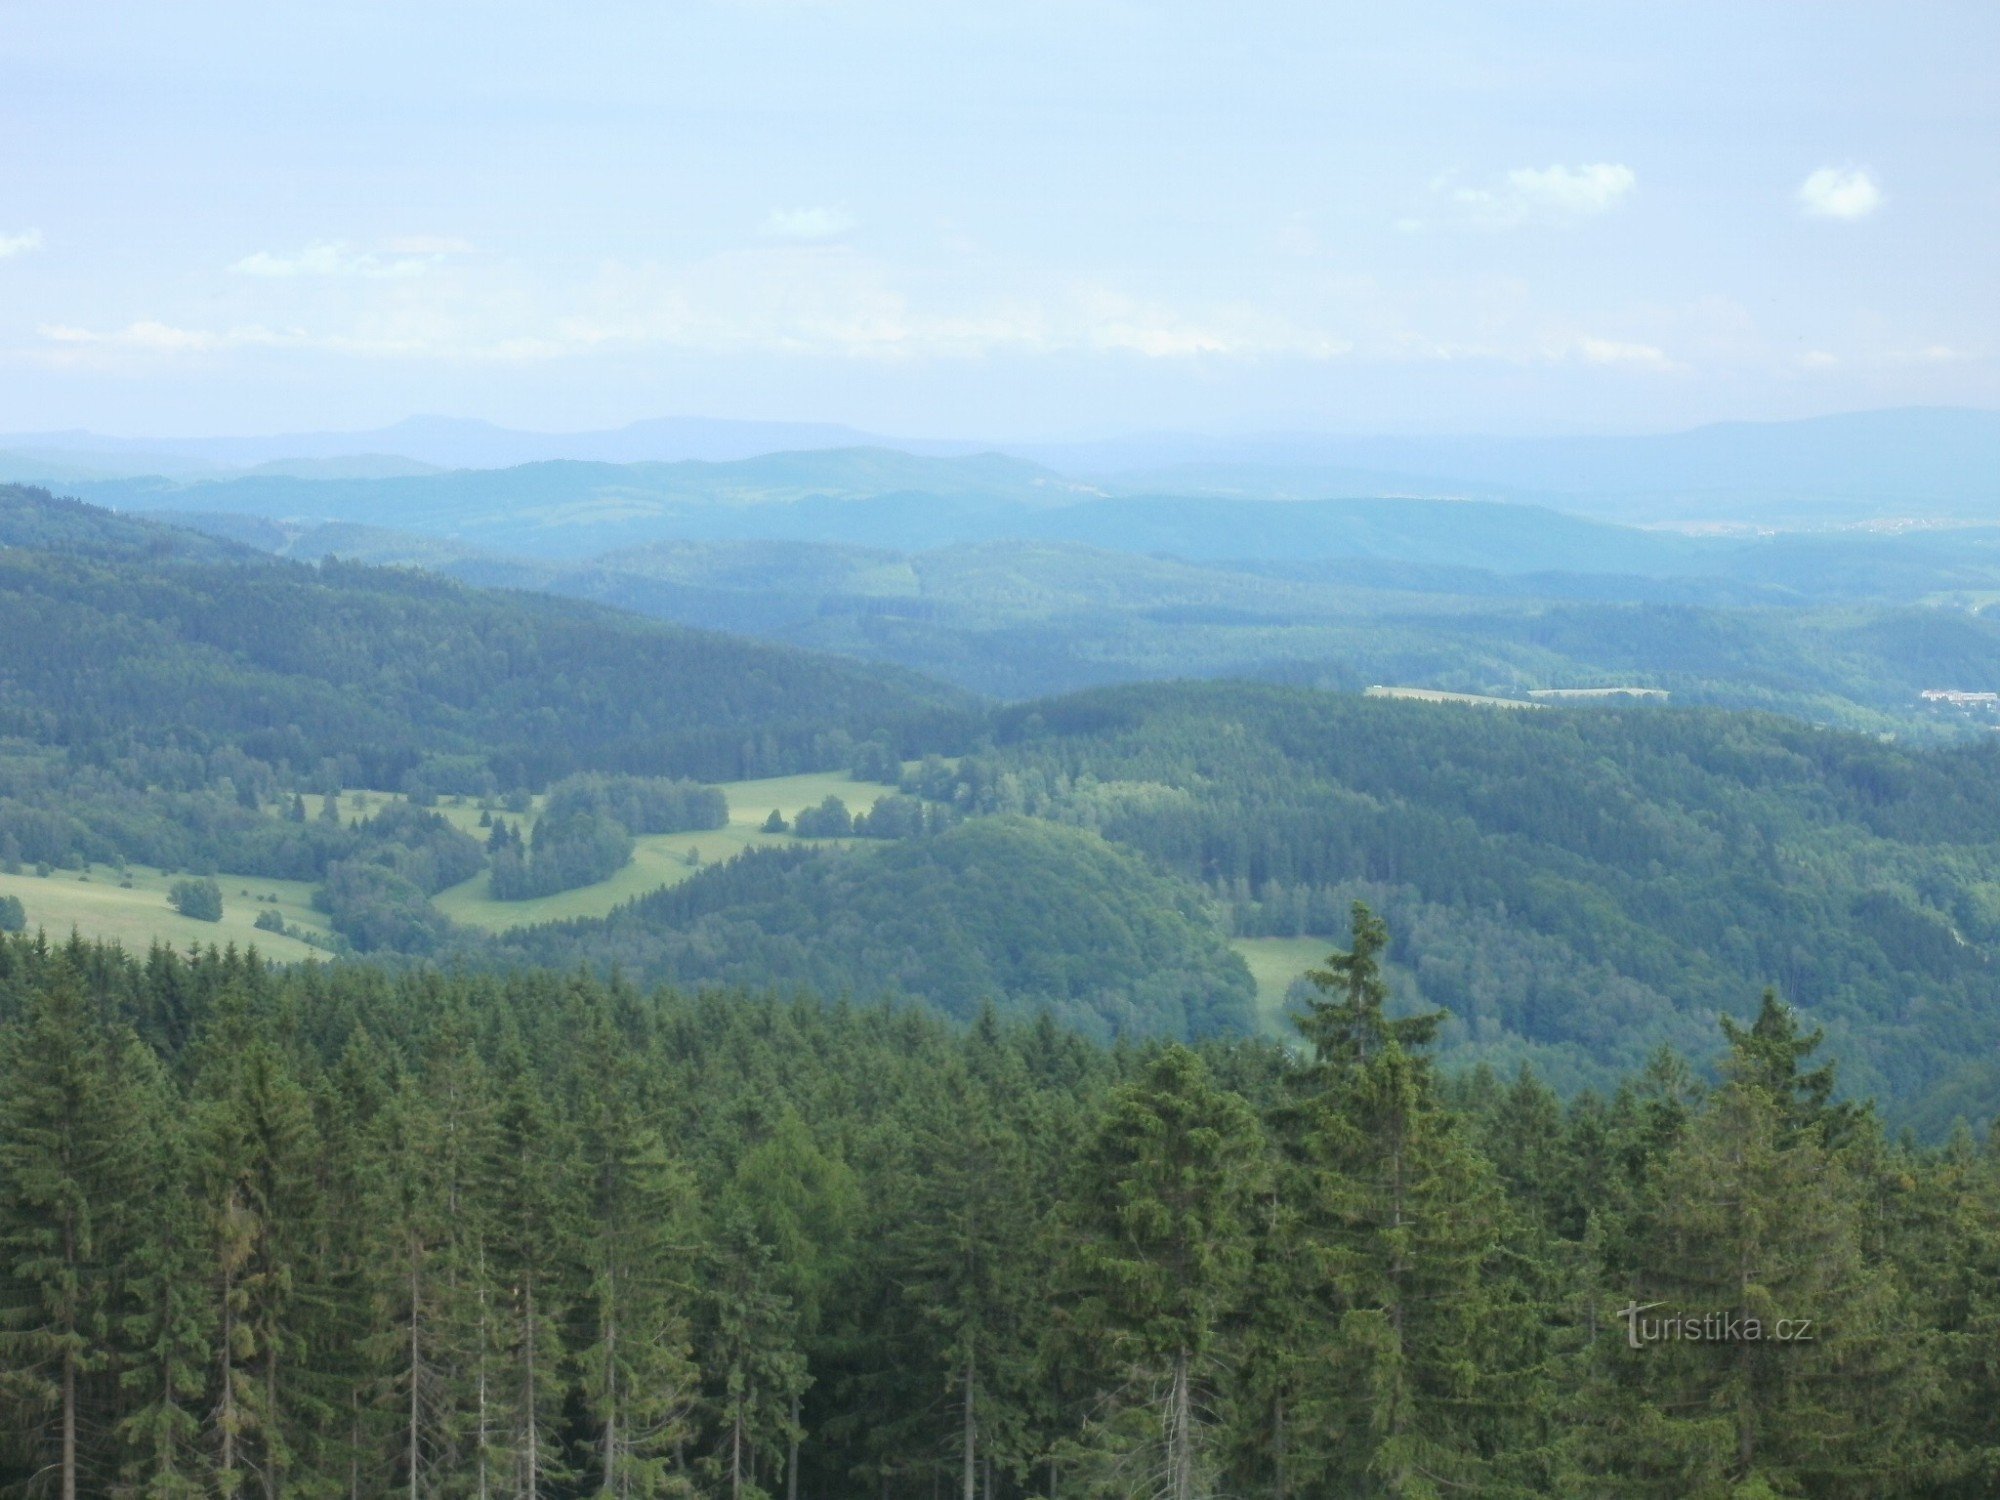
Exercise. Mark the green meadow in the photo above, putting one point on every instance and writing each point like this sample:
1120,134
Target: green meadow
1274,963
660,859
138,915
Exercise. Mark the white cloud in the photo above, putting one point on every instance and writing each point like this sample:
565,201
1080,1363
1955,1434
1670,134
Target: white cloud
1596,351
15,244
333,259
149,336
807,223
1840,193
1547,195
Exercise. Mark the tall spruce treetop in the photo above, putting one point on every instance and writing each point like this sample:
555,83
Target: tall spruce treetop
1769,1054
1348,1026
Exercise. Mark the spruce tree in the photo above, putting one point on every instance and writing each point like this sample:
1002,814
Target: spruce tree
71,1168
1162,1250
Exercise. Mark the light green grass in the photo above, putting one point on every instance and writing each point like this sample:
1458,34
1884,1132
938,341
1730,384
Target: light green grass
1274,963
1436,695
137,917
659,859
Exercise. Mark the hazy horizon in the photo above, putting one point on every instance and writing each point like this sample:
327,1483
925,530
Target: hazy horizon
1047,222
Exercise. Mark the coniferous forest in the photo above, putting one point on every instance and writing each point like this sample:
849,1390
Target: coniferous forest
1081,751
333,1231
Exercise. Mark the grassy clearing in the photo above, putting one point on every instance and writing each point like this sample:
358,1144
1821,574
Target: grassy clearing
1274,963
1434,695
659,859
99,907
136,917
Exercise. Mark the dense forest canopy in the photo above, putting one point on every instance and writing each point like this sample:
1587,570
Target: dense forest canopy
339,1231
388,672
1575,886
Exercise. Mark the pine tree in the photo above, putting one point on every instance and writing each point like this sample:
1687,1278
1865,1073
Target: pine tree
1399,1216
255,1156
751,1357
970,1236
639,1383
804,1205
533,1228
1800,1379
169,1322
1163,1247
70,1169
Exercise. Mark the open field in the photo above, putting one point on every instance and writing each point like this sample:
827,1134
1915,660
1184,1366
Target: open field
1274,963
1433,695
659,859
1558,694
98,907
138,916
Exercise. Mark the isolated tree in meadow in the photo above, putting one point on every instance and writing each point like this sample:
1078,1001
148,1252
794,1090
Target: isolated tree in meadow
200,899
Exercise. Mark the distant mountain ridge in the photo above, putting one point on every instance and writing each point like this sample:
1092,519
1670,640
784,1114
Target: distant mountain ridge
1932,462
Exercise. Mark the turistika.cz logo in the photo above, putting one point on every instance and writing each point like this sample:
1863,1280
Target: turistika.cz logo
1709,1328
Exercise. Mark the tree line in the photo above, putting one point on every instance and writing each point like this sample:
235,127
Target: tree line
340,1231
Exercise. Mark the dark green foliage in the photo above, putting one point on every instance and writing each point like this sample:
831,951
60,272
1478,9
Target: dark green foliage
830,820
200,899
386,673
572,845
1115,948
350,1231
644,804
269,921
1575,887
13,916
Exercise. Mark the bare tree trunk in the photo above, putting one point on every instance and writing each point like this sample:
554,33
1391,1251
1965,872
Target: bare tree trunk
532,1485
792,1453
227,1412
270,1417
485,1437
416,1356
611,1400
69,1425
1180,1436
736,1455
970,1439
1278,1447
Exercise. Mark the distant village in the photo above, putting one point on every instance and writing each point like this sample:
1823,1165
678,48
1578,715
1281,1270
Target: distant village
1970,703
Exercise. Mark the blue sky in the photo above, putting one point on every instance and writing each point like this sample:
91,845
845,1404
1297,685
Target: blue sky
1001,220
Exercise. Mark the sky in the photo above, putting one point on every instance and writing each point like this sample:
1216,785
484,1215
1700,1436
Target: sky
1001,220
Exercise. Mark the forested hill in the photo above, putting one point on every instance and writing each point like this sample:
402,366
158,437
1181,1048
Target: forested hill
31,517
386,672
1576,886
1031,915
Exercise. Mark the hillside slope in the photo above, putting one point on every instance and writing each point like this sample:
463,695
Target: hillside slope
1027,914
1577,886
